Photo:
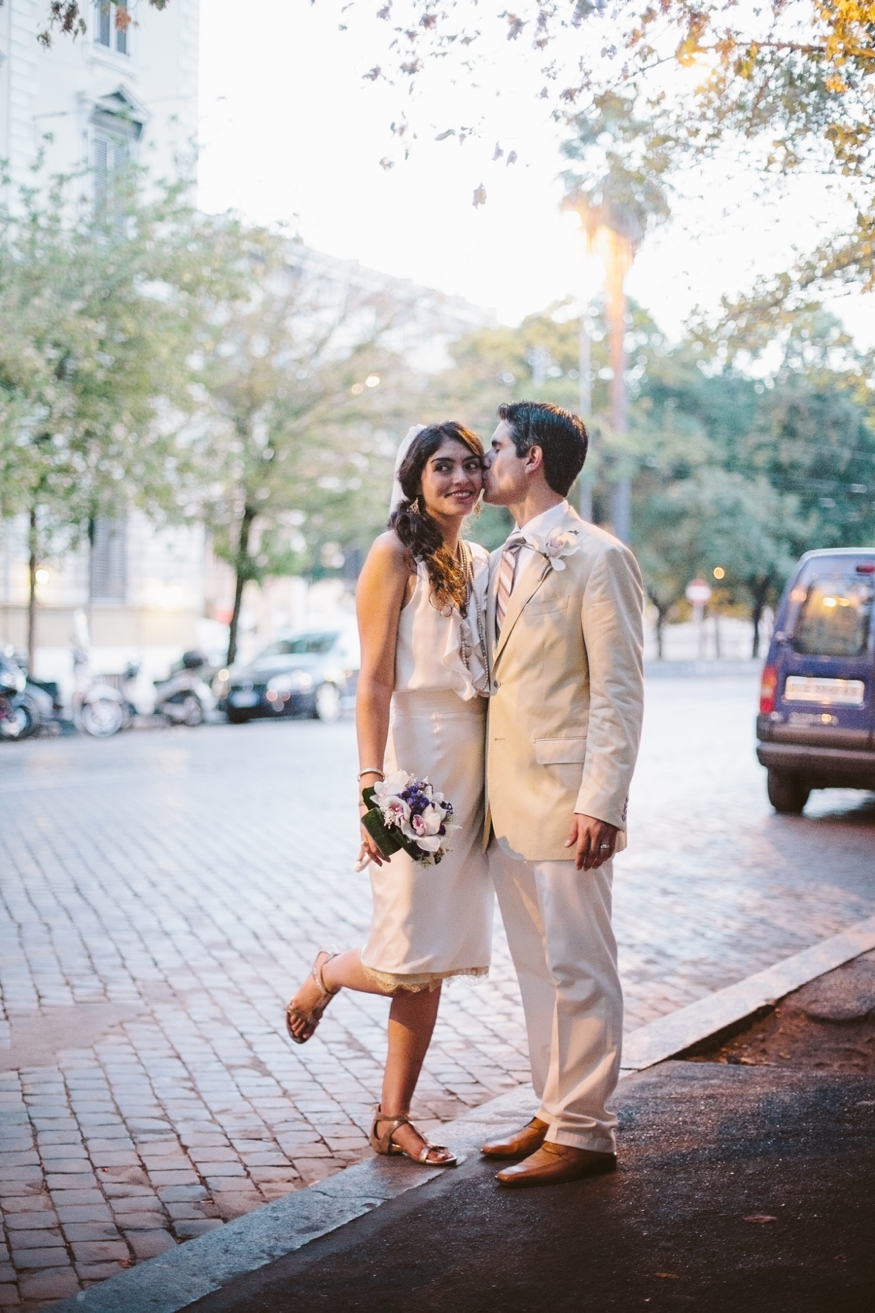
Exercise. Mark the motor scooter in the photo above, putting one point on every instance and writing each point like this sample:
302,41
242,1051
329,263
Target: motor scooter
12,682
98,708
31,704
185,698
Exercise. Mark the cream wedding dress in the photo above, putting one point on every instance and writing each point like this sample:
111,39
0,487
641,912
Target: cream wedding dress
431,922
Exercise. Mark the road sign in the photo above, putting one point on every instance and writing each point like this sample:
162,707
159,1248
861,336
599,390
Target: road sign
698,592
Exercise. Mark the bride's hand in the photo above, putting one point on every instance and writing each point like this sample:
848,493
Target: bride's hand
369,852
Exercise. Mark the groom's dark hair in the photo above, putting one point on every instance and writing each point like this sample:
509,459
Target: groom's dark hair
560,435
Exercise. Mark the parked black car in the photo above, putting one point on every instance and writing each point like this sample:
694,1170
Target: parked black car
311,673
817,707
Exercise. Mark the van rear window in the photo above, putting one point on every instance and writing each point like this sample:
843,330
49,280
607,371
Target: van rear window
835,617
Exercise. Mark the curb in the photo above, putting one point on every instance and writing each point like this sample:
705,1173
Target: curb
179,1277
176,1279
674,1033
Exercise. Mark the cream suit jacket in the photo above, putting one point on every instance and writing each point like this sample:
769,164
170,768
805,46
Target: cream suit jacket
566,694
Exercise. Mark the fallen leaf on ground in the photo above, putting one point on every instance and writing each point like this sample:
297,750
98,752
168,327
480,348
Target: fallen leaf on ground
672,1276
760,1217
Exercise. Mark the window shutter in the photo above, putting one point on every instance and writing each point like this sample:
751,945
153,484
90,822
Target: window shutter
101,171
121,33
109,566
103,34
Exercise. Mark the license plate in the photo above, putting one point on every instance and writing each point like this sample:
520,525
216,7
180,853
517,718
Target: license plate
242,699
828,692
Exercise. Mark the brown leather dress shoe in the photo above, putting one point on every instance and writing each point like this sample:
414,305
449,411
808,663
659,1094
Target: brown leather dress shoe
554,1163
520,1145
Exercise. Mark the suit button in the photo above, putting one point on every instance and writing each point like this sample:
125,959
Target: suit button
495,685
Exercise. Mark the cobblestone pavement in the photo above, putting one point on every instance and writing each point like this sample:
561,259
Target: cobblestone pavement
163,891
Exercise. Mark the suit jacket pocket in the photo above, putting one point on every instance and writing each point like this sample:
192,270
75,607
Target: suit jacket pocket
555,752
544,605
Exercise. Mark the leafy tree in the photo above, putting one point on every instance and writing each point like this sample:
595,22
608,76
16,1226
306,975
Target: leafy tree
712,484
542,357
814,436
97,319
687,526
790,79
304,386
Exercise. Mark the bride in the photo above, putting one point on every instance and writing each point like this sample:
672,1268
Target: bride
421,708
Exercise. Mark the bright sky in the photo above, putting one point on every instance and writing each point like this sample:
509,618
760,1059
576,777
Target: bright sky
292,132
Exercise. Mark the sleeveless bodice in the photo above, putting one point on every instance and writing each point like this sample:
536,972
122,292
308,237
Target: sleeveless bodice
434,922
428,652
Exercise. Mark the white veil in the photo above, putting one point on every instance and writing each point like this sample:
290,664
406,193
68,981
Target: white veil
397,491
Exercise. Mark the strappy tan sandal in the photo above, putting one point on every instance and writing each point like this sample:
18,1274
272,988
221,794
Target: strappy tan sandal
311,1019
383,1143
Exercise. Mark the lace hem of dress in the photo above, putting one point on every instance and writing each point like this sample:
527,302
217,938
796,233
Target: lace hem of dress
416,983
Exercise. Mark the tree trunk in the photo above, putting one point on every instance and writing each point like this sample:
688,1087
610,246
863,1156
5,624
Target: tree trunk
32,563
619,262
662,610
241,569
760,590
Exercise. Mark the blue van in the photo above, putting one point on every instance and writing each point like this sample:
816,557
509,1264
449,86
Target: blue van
816,726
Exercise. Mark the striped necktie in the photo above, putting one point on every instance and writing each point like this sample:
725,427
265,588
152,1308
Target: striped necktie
506,572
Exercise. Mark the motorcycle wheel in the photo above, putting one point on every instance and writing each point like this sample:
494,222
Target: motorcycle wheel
18,724
193,712
102,717
329,707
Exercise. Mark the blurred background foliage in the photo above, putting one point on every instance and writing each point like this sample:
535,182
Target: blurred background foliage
728,470
204,371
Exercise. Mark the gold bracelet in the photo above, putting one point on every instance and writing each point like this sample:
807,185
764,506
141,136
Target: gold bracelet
370,770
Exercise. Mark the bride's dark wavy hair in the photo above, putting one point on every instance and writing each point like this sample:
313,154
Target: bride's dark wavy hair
415,527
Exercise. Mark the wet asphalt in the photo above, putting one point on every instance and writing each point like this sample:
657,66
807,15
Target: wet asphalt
739,1188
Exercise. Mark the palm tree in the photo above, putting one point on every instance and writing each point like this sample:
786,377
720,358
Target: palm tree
618,194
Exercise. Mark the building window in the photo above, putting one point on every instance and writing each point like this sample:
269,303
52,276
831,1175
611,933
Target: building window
111,26
117,122
109,564
111,156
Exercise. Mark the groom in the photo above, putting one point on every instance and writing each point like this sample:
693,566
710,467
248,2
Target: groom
565,638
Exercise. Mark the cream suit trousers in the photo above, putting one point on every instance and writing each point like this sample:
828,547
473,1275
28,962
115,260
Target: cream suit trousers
558,923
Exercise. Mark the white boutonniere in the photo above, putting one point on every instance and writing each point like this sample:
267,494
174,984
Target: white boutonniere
558,544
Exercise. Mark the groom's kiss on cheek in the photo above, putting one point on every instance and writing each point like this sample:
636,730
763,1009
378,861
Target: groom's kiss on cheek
504,471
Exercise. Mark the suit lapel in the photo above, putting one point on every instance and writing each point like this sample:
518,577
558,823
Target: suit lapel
531,577
491,595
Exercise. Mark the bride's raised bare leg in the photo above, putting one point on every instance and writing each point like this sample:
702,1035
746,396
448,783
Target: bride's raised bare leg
412,1018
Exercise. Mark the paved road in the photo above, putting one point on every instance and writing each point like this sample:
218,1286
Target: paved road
162,892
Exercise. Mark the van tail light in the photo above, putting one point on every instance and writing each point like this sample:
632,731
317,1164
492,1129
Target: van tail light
868,568
768,689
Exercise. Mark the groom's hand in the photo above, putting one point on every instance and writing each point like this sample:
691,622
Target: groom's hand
593,841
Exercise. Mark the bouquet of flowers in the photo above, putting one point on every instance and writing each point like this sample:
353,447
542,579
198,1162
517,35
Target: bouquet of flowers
407,813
